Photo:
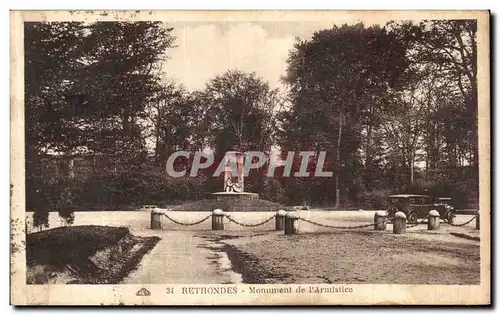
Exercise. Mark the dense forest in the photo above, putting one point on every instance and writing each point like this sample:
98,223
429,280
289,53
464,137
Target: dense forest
394,107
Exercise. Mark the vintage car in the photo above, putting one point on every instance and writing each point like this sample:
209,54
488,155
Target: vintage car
418,206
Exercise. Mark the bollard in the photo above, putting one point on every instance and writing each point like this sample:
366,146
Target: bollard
477,221
399,226
218,220
156,219
433,220
380,220
291,223
280,220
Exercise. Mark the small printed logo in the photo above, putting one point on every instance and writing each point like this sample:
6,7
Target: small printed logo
143,292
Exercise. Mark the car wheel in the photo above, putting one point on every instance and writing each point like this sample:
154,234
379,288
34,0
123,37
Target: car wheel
450,217
412,218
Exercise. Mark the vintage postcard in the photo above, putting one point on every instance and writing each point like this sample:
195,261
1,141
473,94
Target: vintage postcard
250,158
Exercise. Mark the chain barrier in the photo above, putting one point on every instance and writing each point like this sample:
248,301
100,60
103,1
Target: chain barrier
340,226
309,221
187,224
462,224
446,221
249,225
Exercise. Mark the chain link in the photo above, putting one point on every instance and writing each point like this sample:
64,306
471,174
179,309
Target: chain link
462,224
248,225
339,226
187,224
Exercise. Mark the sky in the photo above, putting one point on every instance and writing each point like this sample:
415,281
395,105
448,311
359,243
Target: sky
206,49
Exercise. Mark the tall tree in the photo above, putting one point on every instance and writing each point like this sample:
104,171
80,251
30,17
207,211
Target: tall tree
51,52
339,81
122,71
87,86
179,121
446,51
243,108
241,111
403,129
51,67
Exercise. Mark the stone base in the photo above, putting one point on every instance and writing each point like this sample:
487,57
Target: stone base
235,195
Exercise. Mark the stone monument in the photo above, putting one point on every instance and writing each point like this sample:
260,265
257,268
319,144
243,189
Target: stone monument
234,181
233,172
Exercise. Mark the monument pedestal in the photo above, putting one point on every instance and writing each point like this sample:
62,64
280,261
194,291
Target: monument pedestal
235,195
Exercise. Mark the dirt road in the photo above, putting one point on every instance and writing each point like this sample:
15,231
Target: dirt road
365,256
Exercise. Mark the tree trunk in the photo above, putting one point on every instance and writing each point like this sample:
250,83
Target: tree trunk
437,157
412,171
157,138
369,157
427,159
337,171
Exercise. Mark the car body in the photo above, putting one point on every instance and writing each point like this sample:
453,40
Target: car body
418,206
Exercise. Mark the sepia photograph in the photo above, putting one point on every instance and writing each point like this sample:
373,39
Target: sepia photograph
250,157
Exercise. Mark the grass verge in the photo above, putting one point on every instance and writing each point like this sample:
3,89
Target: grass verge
84,254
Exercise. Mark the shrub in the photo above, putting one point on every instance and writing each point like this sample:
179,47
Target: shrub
376,199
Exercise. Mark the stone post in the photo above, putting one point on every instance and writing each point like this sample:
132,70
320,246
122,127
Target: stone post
156,219
399,226
477,221
433,220
218,220
380,220
291,223
280,220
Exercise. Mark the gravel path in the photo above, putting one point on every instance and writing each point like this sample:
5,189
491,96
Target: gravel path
182,257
